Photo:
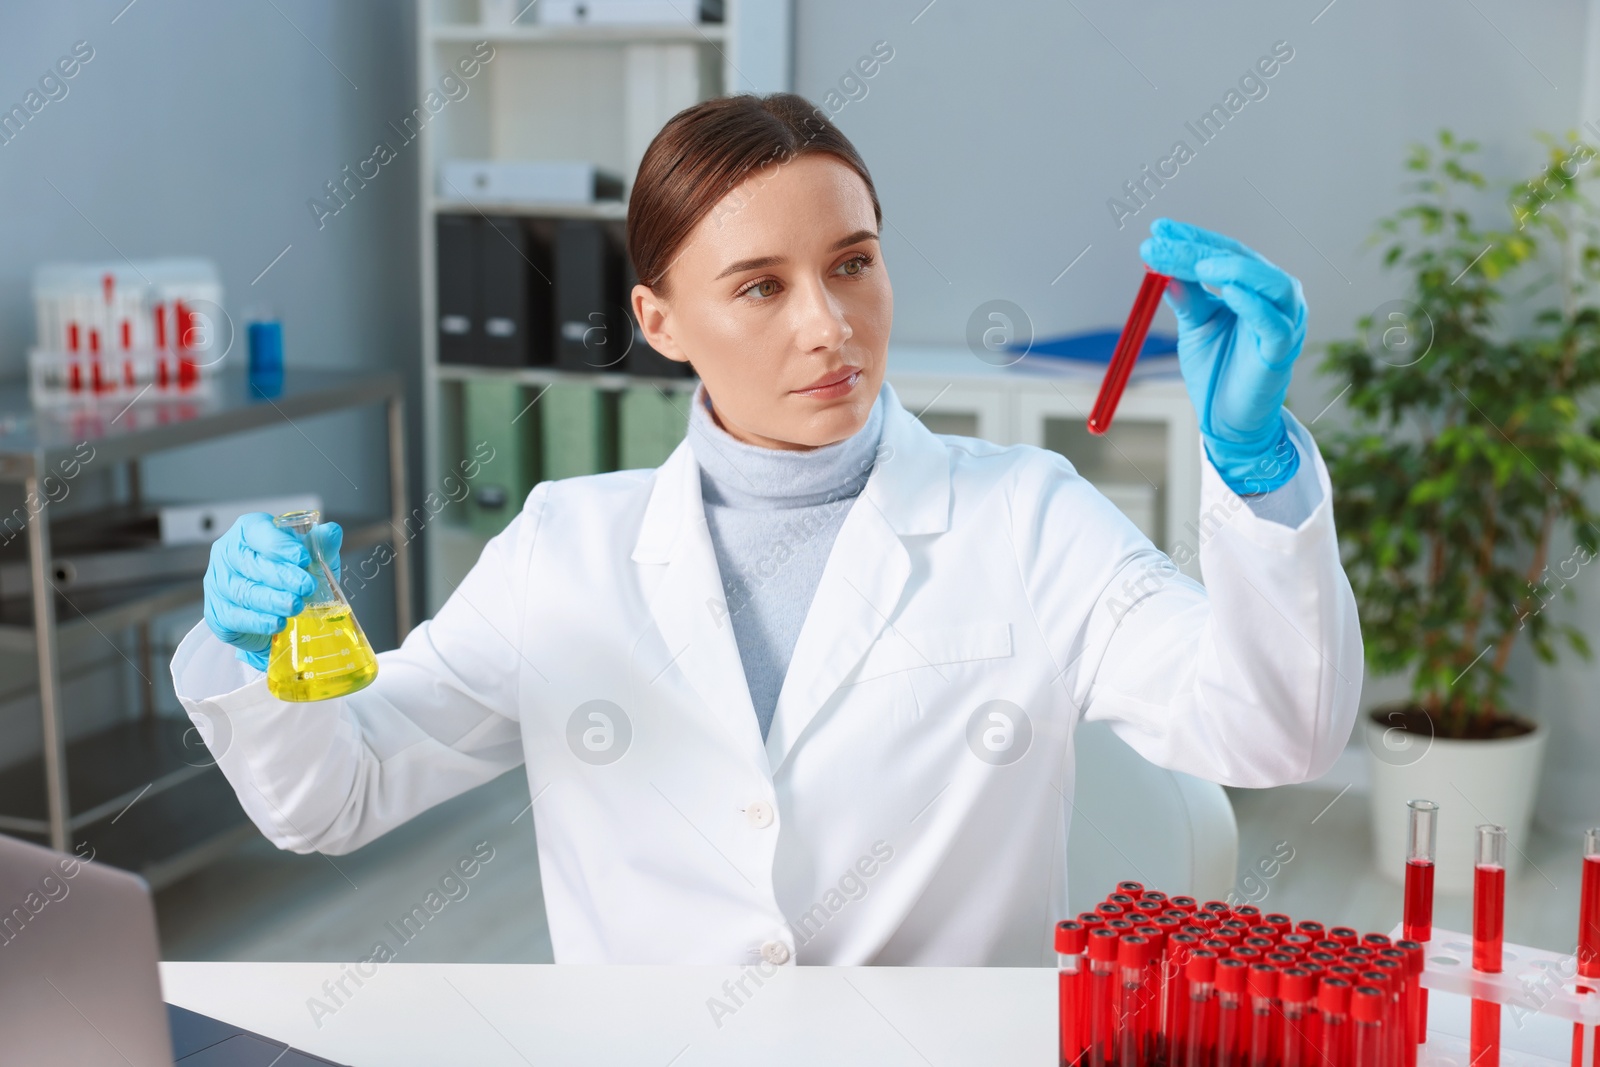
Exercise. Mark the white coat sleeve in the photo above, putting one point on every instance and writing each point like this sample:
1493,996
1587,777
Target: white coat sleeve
1253,678
440,718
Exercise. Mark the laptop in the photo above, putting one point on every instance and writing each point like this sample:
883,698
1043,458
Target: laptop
79,983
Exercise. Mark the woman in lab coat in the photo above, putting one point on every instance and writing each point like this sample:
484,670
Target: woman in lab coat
807,691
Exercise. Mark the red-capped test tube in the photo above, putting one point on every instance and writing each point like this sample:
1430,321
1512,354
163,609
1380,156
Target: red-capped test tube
1366,1009
1294,995
1584,1038
1232,978
1199,1037
1103,950
1129,345
1416,1005
1263,1005
1333,1001
1488,938
1174,1029
1133,960
1072,942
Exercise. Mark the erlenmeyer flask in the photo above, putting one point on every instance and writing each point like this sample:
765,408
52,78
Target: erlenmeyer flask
322,652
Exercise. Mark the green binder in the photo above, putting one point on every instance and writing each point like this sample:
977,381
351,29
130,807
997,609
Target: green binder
501,432
652,425
579,430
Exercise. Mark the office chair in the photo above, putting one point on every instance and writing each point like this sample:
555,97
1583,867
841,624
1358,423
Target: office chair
1132,819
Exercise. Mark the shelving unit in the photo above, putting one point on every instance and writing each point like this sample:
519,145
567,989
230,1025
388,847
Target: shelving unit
185,810
596,93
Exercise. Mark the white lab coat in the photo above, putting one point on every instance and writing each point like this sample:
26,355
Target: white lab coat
896,813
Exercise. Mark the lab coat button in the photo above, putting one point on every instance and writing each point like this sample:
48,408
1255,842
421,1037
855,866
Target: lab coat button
775,952
759,813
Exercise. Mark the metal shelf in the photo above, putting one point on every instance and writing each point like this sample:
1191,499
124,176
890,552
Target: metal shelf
93,611
118,788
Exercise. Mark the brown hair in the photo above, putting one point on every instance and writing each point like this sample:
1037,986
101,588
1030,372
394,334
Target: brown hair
705,151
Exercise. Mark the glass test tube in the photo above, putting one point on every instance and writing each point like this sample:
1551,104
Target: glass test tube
1103,950
1129,345
1200,973
1263,1005
1584,1038
1294,995
1133,957
1421,851
1231,977
1366,1008
1416,1003
1175,1023
1072,940
1488,937
1333,1001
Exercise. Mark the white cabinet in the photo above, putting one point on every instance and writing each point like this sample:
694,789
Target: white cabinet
1148,464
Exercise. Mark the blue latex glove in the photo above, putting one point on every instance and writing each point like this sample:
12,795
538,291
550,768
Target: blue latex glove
258,580
1235,349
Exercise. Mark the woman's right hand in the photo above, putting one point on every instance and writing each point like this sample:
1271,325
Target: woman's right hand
256,582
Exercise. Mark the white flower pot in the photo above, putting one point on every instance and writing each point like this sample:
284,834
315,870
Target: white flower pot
1473,782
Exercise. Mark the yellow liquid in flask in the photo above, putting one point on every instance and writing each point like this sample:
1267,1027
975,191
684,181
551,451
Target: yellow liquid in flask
320,654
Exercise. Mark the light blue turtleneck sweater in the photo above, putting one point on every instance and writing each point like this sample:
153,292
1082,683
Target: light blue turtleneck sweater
774,514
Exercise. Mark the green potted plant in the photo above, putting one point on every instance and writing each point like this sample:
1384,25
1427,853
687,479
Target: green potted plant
1471,446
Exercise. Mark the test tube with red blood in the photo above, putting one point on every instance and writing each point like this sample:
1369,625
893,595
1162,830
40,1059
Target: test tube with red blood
1103,952
1421,847
1416,1015
1129,345
1488,938
1217,908
1248,912
1188,904
1263,1006
1311,928
1175,995
1417,919
1585,1038
1284,924
1155,895
1333,1004
1366,1009
1072,941
1199,1036
1294,994
1109,909
1395,1020
1345,935
1133,889
1232,979
1133,959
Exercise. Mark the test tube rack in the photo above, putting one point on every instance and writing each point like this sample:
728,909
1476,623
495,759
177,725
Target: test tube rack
111,333
1533,981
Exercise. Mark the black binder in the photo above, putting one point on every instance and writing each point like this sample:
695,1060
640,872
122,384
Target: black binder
515,288
459,324
591,326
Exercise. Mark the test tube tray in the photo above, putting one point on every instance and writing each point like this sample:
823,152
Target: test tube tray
1533,981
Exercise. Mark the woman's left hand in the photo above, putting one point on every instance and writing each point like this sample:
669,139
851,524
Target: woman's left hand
1236,349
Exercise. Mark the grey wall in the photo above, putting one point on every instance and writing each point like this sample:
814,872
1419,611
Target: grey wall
202,128
998,132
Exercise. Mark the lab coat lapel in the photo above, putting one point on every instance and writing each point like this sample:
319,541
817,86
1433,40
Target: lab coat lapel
908,492
688,604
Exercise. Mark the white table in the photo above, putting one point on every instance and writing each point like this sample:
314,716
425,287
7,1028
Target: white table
488,1015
